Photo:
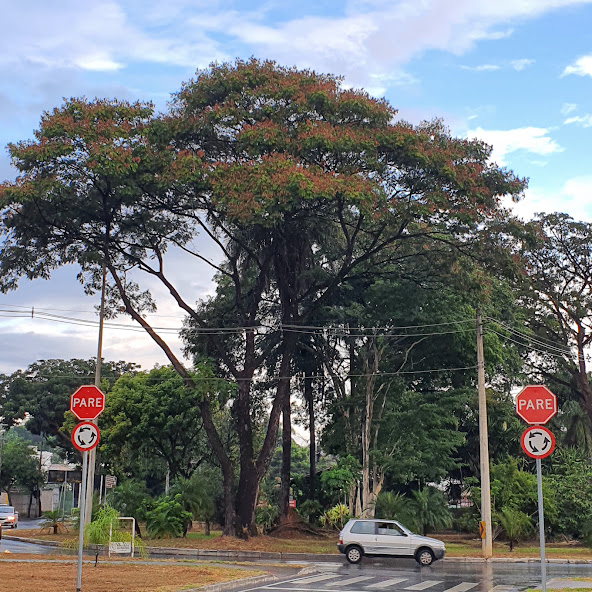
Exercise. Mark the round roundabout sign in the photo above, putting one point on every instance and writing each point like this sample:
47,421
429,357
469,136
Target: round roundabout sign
85,436
537,442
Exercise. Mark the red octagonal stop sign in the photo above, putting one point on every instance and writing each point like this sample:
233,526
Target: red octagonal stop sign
87,402
535,403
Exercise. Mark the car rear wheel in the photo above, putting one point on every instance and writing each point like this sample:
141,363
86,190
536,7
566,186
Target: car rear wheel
424,556
354,554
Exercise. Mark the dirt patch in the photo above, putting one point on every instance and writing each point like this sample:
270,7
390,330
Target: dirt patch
57,577
292,526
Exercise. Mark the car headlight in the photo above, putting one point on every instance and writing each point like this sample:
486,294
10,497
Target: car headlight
11,518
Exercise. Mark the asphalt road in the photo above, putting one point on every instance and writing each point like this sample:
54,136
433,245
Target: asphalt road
443,576
20,547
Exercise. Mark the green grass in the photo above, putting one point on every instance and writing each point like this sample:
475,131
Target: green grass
200,536
560,590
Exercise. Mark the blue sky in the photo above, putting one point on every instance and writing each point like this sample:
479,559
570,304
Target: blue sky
515,73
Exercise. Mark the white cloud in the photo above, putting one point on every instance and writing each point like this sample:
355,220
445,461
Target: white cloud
365,39
573,198
482,68
583,120
531,139
97,63
521,64
581,67
568,108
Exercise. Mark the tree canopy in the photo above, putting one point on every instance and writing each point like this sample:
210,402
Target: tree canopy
305,186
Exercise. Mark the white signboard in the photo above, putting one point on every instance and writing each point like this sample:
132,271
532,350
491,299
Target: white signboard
120,547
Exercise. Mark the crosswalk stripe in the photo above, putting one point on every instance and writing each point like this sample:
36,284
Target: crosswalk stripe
387,583
501,588
293,588
317,578
350,581
424,585
462,587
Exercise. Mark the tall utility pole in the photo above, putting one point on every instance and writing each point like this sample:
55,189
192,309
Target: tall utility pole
487,542
92,454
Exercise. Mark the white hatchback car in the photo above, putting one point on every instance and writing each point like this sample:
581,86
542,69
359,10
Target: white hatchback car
361,537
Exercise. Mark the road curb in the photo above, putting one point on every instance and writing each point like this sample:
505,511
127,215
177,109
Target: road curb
233,584
221,555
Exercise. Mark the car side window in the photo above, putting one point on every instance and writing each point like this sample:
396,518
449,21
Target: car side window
362,527
388,528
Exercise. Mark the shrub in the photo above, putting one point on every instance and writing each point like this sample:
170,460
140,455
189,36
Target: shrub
167,519
429,510
516,524
266,515
310,510
392,506
335,517
54,520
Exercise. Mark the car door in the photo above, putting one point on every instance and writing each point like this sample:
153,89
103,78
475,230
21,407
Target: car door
391,540
363,533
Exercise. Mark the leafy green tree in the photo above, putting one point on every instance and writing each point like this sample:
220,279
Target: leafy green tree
405,394
154,415
338,481
19,467
41,393
514,488
569,476
301,183
558,295
128,499
504,431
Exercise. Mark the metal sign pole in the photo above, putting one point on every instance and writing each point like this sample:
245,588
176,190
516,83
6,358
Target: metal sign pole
541,524
81,521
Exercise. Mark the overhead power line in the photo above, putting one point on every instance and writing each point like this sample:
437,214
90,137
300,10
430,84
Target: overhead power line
541,351
532,339
382,331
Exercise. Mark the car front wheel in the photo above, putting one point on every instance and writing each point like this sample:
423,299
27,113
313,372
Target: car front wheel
424,556
354,554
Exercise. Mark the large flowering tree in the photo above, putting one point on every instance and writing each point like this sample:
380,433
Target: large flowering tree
301,184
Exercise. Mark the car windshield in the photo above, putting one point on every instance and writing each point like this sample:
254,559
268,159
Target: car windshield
6,510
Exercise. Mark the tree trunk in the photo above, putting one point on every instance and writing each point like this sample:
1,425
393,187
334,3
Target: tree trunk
580,377
358,509
30,504
371,359
352,498
286,456
312,448
245,504
207,527
229,528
